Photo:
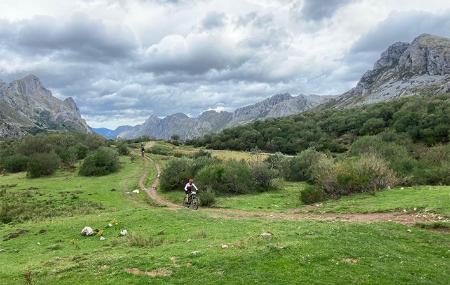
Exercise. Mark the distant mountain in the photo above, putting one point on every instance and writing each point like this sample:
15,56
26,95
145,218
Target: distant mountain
404,69
111,134
27,106
211,121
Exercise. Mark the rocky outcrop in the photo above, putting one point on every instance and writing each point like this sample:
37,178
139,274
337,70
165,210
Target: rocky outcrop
421,67
211,121
27,106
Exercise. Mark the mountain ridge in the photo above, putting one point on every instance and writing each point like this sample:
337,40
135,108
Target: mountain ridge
212,121
403,69
26,106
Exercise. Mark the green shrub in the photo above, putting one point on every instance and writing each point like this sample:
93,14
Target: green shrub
123,149
312,194
16,163
42,164
68,156
230,176
433,166
299,168
176,173
82,150
262,176
367,173
207,197
160,149
101,162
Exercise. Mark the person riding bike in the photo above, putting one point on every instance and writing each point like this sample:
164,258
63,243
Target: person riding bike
189,187
142,149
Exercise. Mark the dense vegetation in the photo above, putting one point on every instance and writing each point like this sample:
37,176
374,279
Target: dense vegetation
420,119
42,154
216,176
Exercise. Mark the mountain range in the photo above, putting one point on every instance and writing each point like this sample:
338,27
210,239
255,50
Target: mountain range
26,106
212,121
403,69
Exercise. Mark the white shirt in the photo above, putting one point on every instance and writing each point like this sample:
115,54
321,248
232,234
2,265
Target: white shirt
190,185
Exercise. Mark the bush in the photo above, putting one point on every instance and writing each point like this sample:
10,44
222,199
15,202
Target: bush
101,162
160,149
16,163
176,173
434,166
364,174
207,198
68,156
312,194
123,149
82,151
262,176
230,176
42,164
300,167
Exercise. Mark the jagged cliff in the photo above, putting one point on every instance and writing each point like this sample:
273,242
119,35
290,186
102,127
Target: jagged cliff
404,69
27,106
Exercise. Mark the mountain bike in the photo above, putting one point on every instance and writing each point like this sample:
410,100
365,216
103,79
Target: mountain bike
192,201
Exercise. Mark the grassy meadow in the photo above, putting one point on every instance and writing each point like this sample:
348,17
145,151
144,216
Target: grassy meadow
166,246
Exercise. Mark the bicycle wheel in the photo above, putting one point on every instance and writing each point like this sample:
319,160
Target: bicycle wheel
194,203
185,202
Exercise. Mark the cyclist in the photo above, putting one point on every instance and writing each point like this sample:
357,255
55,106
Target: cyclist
188,188
142,149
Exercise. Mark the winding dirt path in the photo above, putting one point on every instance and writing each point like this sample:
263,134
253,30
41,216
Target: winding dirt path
151,192
401,218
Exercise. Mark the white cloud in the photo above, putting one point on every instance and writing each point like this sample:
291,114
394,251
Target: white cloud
123,60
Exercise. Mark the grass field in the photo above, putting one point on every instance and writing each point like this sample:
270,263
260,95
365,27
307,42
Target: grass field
183,246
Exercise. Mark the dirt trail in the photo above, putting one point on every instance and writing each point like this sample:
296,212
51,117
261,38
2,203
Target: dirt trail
151,192
402,218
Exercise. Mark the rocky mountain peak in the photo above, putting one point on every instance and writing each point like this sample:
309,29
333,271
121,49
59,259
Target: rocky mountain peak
29,85
72,105
402,70
427,54
25,105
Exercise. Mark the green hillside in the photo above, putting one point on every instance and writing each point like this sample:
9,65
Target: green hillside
422,119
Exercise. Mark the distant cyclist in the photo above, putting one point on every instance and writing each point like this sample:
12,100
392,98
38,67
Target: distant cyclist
142,149
189,187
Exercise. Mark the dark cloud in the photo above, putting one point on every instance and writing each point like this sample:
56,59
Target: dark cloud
78,37
403,27
316,10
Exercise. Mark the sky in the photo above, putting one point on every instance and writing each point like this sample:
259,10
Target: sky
124,60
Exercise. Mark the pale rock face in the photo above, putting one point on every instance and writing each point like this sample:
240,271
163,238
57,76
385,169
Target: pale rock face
422,67
211,121
26,105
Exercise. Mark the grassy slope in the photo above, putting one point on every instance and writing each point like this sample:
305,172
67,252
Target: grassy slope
299,252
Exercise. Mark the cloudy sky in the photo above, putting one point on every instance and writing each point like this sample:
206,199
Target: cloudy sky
123,60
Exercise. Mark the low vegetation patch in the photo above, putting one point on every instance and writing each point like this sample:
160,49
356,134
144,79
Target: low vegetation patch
27,205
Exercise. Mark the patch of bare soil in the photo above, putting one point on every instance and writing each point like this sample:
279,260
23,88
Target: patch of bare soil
159,272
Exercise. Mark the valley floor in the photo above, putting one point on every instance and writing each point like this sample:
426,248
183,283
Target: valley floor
264,239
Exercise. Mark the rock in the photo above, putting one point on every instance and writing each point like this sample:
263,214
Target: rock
224,246
266,235
87,231
404,69
28,106
109,225
102,238
195,253
136,191
123,232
